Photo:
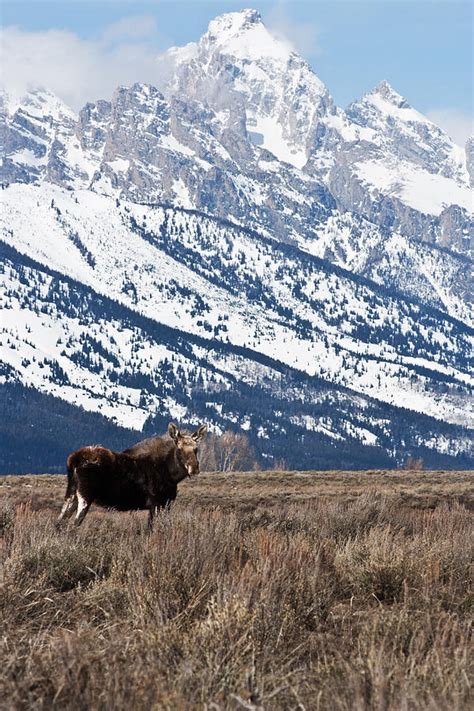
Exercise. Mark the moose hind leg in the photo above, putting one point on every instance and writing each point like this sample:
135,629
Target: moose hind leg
151,516
83,507
152,511
69,506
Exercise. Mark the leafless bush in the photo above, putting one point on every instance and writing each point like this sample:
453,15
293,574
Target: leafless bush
228,452
413,464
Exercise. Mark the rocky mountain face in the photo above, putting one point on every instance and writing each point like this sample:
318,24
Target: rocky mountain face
470,159
242,70
235,247
416,174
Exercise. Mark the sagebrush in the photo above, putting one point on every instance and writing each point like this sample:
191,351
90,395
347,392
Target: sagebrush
325,604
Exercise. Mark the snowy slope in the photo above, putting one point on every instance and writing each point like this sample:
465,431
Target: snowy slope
63,339
189,272
420,189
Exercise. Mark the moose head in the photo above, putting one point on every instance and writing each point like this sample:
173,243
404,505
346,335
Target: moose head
186,447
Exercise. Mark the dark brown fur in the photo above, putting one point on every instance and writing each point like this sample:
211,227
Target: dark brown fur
145,476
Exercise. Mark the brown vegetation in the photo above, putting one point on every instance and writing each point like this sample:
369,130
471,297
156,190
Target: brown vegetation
276,591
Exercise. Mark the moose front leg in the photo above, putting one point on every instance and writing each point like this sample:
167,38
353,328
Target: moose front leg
152,506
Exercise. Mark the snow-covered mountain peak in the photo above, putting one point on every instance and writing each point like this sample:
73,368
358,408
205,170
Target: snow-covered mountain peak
38,102
408,141
40,141
240,65
386,104
42,102
244,35
232,23
142,95
388,93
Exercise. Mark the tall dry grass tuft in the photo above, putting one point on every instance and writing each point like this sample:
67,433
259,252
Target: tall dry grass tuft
326,605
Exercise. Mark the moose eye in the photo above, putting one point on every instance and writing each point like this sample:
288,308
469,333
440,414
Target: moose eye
195,450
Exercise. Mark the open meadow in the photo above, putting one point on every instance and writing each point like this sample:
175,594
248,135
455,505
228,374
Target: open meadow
258,590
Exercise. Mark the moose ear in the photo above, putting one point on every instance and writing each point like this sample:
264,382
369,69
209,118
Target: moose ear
173,431
200,432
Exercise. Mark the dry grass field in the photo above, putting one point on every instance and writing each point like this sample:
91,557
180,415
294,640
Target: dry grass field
314,590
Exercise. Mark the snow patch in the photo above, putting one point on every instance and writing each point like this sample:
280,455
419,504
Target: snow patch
274,140
426,192
119,164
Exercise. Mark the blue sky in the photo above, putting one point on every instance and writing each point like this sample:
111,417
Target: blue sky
423,47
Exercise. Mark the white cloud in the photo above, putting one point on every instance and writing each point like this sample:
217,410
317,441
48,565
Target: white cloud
457,124
76,69
303,36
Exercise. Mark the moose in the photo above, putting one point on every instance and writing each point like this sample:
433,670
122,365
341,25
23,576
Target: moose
145,476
